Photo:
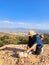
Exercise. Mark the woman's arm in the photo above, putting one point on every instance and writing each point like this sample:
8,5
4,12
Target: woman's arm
31,48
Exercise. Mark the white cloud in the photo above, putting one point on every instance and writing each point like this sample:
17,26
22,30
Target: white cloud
16,24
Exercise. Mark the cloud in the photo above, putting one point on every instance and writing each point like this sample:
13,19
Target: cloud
13,24
19,24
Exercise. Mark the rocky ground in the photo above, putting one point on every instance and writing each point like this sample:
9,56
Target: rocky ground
9,55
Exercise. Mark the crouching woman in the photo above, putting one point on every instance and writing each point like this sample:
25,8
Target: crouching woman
38,44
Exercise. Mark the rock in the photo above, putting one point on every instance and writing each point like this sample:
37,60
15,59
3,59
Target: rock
22,54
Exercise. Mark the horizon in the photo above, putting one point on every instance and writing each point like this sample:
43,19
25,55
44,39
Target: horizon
23,30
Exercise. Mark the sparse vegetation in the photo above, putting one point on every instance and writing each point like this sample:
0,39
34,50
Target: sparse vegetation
46,39
14,39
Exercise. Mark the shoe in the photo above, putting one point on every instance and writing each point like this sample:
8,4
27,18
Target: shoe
42,50
30,52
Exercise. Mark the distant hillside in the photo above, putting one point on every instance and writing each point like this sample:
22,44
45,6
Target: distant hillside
22,30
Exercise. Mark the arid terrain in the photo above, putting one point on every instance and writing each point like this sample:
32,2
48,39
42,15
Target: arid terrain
9,55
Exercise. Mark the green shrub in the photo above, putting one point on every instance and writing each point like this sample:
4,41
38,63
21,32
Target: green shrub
1,43
11,39
46,39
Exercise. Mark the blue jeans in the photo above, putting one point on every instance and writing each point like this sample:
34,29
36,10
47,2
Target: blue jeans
38,49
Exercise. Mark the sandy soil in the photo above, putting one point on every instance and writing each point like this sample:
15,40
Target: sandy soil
9,55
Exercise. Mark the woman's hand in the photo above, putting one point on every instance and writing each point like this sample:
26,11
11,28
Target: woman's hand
31,48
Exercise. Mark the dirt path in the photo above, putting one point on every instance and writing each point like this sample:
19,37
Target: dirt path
9,56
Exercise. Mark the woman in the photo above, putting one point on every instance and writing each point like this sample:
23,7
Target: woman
35,41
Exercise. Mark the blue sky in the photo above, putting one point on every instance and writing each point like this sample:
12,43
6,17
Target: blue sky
24,14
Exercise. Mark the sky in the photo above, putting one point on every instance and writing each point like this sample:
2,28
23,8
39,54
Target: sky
24,14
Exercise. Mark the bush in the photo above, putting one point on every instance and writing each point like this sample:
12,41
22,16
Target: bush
46,39
1,43
22,39
11,39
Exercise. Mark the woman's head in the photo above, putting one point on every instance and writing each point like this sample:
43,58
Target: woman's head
42,36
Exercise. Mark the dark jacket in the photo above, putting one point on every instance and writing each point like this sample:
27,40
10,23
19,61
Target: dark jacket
31,40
